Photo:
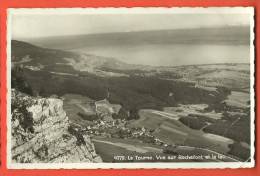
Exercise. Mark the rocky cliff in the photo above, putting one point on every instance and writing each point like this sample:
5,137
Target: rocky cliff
41,133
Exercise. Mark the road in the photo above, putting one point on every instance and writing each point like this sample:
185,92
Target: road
130,147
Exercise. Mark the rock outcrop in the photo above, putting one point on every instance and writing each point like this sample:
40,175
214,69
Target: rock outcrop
41,133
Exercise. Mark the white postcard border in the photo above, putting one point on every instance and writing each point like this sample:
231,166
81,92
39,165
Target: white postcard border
135,10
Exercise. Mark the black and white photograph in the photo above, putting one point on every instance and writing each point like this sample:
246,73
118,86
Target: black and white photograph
130,88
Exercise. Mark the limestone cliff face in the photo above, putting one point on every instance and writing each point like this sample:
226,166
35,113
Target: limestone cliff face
41,133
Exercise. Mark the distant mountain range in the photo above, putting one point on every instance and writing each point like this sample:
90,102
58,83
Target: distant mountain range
231,35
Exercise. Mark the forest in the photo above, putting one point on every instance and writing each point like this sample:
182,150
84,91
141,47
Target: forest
133,92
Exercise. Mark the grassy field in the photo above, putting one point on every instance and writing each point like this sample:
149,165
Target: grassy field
238,99
194,109
74,104
108,148
172,131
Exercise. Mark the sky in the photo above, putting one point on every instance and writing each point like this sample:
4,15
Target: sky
29,25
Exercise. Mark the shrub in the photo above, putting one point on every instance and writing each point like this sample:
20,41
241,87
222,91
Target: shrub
18,81
193,122
77,134
122,114
238,150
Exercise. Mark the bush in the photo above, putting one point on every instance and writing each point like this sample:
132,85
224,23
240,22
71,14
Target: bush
19,111
122,114
193,122
78,135
18,81
239,131
238,150
171,150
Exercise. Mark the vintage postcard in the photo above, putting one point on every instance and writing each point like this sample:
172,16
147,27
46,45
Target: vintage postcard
130,88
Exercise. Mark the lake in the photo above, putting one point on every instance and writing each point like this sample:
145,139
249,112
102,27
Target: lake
173,55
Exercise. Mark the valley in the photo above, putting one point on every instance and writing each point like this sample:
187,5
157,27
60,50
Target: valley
129,109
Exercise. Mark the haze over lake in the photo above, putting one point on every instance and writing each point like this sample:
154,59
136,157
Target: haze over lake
161,47
172,55
163,39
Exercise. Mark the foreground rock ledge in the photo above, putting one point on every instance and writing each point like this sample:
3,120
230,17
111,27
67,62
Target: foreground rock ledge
41,133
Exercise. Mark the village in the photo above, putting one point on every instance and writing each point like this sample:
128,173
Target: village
106,127
118,129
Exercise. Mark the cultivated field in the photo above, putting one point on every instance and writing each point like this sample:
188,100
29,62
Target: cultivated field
238,99
73,104
110,148
172,131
